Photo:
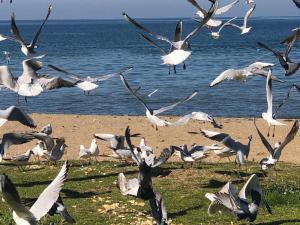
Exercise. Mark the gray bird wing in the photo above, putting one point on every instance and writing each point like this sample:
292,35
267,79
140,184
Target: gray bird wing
71,75
166,108
14,113
291,135
164,156
49,196
226,8
223,138
108,76
158,209
56,82
133,93
7,79
15,31
12,198
195,4
155,44
56,153
136,157
264,140
289,39
10,139
297,3
35,39
48,141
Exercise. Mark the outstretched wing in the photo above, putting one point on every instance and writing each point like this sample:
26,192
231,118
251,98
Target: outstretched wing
71,75
164,156
108,76
50,195
226,8
264,140
166,108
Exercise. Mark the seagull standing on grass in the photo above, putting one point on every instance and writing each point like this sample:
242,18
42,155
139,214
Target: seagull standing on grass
268,116
275,152
89,152
87,84
228,200
23,216
152,114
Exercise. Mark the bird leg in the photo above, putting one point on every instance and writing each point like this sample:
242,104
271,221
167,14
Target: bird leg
25,99
88,93
268,131
184,66
174,67
273,132
169,70
96,158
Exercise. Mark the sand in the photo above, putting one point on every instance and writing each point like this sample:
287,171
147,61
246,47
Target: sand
79,129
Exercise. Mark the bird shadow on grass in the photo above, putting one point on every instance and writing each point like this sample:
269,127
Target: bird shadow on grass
159,172
184,211
238,173
279,222
219,184
77,179
75,194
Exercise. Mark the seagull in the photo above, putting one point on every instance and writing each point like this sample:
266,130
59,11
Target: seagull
244,29
60,209
242,151
88,83
39,150
21,160
28,49
268,116
242,74
89,152
10,139
158,209
25,85
55,147
224,153
275,152
216,35
200,116
292,38
117,145
7,56
14,113
23,216
180,48
151,113
212,22
289,66
228,200
47,129
297,3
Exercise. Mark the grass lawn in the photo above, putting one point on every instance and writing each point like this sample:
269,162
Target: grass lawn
92,197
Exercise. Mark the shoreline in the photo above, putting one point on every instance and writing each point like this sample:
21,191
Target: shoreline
79,129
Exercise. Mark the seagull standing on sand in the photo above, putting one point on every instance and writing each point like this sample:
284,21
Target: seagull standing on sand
150,113
257,68
229,200
275,152
244,29
88,83
14,113
242,151
89,152
23,216
28,49
180,47
212,22
268,116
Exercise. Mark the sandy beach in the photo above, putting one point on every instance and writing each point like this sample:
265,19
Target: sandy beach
79,129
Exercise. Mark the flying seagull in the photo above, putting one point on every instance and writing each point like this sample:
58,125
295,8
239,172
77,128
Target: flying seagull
14,113
244,29
10,139
257,68
200,116
151,113
180,48
43,204
228,200
212,22
242,151
216,35
268,116
275,152
29,49
88,83
283,57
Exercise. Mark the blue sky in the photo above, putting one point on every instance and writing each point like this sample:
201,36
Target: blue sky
112,9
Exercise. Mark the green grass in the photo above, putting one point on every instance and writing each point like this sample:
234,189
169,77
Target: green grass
92,197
